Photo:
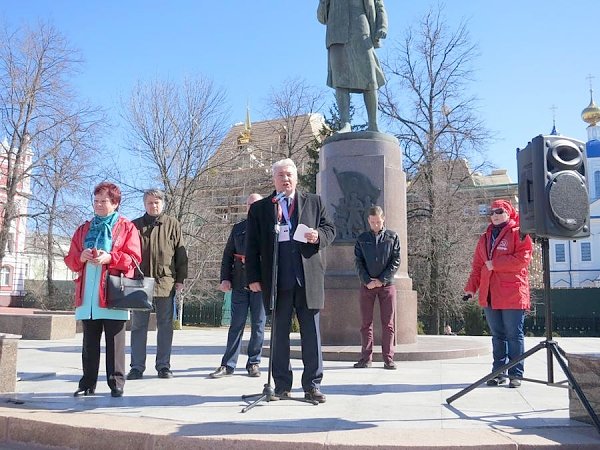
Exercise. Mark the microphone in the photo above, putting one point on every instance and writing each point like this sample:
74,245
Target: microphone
278,197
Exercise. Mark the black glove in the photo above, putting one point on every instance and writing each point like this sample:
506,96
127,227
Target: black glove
466,297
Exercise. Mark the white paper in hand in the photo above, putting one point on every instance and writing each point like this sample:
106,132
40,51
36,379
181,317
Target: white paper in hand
300,231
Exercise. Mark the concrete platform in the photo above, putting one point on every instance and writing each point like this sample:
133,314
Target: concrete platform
365,408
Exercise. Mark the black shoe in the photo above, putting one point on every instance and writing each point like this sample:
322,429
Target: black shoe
315,395
116,392
165,372
253,370
497,381
362,364
84,391
135,374
514,383
221,371
390,366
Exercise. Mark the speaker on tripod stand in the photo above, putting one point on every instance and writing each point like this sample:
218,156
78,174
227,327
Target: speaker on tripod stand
553,204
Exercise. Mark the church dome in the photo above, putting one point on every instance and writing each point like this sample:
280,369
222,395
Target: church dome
591,114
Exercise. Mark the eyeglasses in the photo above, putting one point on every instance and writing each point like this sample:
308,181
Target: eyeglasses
496,211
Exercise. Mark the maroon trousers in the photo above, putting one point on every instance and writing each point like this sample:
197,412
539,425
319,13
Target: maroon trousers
387,308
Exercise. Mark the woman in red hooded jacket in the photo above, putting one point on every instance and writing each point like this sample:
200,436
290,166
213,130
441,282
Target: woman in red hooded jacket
499,273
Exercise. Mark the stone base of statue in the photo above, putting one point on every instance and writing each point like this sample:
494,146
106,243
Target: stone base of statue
359,170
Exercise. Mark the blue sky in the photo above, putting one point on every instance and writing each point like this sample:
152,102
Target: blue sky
533,54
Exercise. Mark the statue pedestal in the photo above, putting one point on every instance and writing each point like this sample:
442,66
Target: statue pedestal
358,170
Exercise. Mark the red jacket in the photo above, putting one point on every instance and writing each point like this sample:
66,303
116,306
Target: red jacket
126,245
508,283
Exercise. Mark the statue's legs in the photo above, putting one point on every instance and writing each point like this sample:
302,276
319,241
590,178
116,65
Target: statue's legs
371,105
342,96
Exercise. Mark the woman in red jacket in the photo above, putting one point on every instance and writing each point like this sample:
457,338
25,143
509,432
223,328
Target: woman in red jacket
499,272
107,242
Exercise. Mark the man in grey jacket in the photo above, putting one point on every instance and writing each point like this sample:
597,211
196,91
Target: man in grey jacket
165,259
377,258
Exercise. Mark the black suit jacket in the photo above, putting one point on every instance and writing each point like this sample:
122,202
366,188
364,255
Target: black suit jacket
260,236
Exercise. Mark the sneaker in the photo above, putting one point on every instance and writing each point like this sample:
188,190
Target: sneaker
221,371
165,372
362,364
253,370
497,381
514,383
316,395
135,374
390,365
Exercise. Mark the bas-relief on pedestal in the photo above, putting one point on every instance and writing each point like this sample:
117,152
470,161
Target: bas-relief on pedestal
358,170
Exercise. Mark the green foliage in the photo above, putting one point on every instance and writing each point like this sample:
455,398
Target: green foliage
308,180
295,327
475,324
420,327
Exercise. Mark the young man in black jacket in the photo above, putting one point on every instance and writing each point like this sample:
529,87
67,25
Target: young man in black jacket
377,258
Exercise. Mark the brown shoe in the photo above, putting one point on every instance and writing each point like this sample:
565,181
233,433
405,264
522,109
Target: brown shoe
283,395
316,395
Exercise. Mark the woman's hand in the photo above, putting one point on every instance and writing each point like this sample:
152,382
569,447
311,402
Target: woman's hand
97,257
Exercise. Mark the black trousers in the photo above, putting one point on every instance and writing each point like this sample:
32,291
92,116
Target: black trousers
289,300
114,337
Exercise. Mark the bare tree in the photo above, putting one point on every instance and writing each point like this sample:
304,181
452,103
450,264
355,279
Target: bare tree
175,130
38,109
60,181
291,108
435,119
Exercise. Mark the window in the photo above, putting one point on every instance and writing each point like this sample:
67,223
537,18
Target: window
559,250
5,276
586,251
597,184
483,209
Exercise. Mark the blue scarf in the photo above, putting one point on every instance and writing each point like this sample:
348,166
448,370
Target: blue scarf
100,233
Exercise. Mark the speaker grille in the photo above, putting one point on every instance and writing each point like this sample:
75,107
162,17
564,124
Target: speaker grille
568,200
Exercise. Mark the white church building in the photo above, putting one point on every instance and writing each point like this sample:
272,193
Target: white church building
576,264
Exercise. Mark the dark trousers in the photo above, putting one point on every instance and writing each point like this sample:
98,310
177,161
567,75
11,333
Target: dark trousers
163,306
387,309
310,336
241,301
114,337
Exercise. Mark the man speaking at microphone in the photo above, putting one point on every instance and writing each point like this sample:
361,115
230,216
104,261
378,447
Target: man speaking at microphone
300,273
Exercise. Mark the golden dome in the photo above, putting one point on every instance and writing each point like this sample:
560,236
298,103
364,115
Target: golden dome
591,114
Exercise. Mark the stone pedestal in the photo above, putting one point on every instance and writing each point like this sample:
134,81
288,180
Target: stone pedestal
586,371
9,344
358,170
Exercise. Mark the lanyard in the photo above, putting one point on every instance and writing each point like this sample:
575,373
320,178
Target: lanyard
287,215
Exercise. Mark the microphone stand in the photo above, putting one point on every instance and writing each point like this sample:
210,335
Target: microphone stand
268,393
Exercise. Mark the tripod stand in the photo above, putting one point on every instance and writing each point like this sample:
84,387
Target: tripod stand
552,350
268,393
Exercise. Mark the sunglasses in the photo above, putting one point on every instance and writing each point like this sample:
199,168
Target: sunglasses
496,211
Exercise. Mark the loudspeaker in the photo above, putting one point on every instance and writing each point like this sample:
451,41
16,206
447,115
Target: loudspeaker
553,188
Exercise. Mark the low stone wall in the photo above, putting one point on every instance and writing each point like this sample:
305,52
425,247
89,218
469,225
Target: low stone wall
9,344
585,368
39,326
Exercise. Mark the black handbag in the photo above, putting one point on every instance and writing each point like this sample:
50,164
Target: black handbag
129,293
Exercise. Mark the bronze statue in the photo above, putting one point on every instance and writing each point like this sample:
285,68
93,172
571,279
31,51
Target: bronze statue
354,31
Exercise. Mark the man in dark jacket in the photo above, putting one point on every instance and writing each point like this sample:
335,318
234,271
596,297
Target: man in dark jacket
233,278
377,258
304,229
165,259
